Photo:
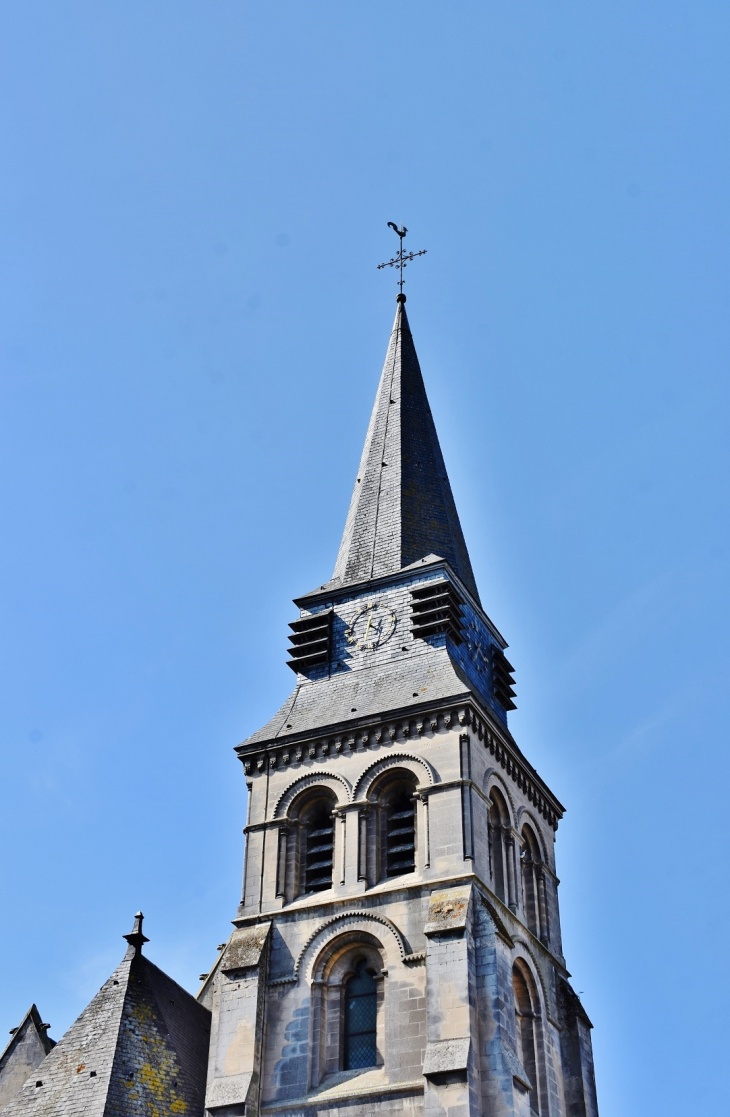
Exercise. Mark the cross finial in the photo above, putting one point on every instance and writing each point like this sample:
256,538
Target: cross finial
401,260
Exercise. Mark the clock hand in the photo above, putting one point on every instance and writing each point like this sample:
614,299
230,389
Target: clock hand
370,621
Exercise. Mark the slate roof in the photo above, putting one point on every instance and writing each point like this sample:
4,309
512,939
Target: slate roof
139,1049
396,685
402,507
28,1047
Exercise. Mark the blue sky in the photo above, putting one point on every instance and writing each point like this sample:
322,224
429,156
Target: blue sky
194,199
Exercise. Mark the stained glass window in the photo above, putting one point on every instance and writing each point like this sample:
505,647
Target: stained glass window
360,1018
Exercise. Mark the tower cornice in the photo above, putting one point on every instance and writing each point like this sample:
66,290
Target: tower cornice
400,727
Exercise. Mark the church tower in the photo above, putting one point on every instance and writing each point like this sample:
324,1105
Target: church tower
397,947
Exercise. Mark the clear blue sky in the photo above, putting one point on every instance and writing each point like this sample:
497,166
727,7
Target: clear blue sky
194,198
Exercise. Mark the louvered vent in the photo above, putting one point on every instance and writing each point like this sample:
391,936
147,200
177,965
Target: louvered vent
311,641
319,851
401,835
436,608
502,680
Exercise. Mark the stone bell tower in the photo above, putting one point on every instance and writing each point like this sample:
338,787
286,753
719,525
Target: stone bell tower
397,947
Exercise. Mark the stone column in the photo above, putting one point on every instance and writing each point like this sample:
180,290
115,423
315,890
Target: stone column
339,860
467,821
362,844
509,849
423,836
542,905
282,862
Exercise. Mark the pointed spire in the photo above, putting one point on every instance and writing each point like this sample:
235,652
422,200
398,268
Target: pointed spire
402,508
136,938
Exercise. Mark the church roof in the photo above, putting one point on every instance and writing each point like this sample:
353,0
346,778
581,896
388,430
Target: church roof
352,695
28,1047
140,1047
402,507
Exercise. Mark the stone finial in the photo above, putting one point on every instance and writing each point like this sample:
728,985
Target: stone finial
136,938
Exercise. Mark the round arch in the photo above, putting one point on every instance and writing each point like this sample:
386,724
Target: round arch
525,817
413,764
492,779
338,785
342,950
524,955
375,927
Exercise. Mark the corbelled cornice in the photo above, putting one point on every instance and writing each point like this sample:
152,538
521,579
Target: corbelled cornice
371,733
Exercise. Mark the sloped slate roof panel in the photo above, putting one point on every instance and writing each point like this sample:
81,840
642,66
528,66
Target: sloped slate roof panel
75,1075
371,691
28,1047
402,507
139,1049
161,1052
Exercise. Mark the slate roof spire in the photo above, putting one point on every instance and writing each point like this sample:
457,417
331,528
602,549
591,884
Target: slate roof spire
136,938
402,508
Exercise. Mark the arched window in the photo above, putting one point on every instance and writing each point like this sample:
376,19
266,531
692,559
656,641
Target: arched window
534,891
316,844
526,1018
498,822
388,830
360,1031
348,1007
531,863
399,834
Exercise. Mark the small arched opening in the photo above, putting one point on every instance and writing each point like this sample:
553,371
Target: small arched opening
307,845
499,833
397,805
527,1035
317,842
533,885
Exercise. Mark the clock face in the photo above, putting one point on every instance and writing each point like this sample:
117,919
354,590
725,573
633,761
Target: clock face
373,624
478,645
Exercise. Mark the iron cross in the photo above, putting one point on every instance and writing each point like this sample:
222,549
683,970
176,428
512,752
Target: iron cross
401,260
